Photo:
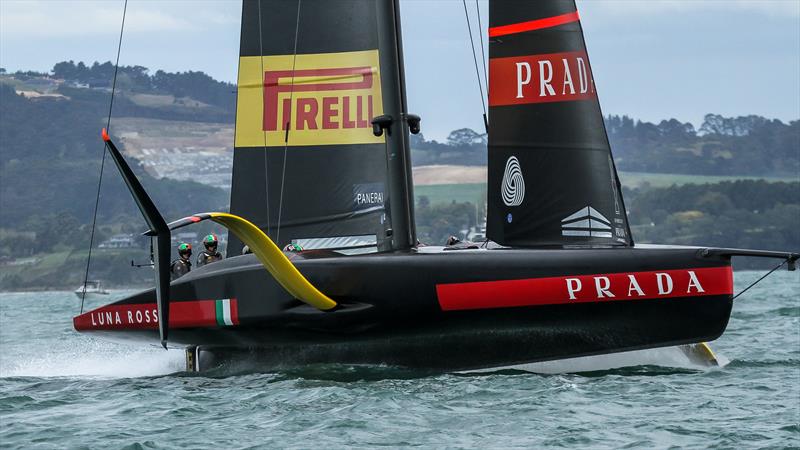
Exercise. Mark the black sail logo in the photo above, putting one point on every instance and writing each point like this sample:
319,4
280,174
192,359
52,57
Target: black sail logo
513,183
586,222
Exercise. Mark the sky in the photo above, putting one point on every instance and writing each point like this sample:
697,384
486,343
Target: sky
651,60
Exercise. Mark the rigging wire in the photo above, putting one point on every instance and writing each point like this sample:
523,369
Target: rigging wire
477,70
103,159
288,121
266,154
764,276
485,242
483,53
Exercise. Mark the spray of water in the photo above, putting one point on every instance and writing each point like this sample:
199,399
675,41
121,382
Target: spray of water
91,358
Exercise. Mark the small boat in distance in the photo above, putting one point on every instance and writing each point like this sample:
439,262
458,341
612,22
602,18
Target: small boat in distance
94,288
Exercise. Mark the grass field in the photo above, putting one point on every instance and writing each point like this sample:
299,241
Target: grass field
447,193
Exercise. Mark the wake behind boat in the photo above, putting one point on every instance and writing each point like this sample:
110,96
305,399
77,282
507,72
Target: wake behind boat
322,163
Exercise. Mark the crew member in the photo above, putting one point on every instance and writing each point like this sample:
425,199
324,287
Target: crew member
210,254
183,264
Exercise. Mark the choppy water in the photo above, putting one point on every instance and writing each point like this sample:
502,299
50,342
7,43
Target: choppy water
59,389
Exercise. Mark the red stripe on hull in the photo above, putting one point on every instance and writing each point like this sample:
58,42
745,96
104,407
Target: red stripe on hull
532,25
586,288
144,316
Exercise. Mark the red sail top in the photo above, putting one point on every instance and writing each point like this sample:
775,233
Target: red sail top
531,25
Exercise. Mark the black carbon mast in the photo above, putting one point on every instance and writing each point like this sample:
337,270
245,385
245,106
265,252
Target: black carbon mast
401,185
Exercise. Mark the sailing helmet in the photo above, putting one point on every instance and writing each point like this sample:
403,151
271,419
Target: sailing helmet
185,249
210,240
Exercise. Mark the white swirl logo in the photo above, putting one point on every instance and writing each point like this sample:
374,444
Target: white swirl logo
513,183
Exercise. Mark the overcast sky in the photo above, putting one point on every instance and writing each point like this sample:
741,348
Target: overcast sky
651,59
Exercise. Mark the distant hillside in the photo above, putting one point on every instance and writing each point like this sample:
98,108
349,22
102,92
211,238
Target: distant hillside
738,146
50,152
136,79
745,214
749,145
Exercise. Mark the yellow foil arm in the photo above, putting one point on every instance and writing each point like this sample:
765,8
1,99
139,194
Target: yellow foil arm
273,259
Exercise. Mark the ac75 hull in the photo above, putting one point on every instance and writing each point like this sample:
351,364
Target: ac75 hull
448,310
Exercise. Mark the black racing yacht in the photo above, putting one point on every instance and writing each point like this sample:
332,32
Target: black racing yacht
322,160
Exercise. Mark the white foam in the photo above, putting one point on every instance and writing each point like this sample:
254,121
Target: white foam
91,358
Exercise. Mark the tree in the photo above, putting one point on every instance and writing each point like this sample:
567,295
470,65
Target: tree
465,137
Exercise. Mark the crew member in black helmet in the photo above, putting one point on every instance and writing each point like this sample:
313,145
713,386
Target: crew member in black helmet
210,254
182,265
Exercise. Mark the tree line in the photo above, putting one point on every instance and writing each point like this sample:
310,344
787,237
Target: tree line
194,84
743,213
745,145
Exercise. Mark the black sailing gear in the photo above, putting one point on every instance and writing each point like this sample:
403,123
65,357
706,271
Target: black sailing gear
208,256
179,268
182,265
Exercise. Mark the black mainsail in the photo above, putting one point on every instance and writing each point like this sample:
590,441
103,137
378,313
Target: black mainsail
307,166
552,180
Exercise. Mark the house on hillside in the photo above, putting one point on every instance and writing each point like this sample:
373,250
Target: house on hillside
118,241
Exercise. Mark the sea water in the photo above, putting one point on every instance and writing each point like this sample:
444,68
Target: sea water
60,389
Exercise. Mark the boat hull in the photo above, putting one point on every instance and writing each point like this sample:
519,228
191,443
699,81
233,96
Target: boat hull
444,310
495,339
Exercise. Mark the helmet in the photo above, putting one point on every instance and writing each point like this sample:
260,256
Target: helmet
292,247
184,249
210,240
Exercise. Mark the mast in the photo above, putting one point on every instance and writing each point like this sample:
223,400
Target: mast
401,195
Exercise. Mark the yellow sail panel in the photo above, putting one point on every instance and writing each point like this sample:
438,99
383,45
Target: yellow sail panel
328,99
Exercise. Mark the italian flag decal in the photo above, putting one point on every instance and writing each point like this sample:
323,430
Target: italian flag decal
225,316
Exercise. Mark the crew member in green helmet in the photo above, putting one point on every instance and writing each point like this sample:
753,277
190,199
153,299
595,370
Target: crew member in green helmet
183,264
210,254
